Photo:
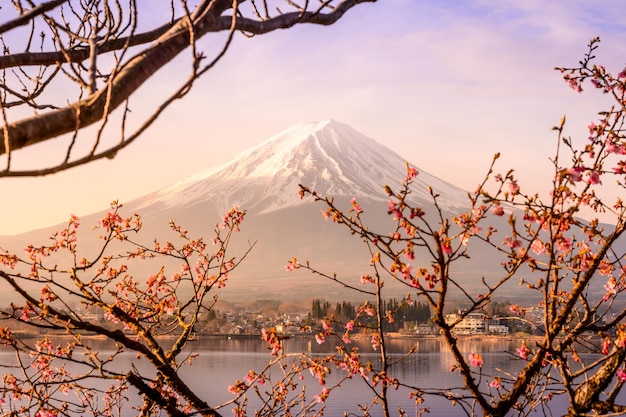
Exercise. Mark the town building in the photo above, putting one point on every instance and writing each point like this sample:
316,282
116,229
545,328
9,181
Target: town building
475,323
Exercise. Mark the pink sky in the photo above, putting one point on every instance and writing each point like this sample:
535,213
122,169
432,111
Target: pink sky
445,84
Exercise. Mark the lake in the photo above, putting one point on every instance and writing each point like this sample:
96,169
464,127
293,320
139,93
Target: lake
429,368
221,361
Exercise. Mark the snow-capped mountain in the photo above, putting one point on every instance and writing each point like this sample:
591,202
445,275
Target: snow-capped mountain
329,157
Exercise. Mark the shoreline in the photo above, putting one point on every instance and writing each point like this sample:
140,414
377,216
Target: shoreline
356,336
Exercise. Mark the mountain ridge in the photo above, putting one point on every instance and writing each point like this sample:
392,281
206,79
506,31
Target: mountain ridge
328,156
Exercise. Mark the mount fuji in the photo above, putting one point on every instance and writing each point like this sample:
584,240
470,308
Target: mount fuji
329,157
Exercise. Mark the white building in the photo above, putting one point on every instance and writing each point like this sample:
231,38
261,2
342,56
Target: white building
499,329
472,323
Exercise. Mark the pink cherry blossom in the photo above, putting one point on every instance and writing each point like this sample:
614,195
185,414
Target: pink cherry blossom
322,396
497,211
394,210
517,310
512,243
594,178
523,351
375,342
292,265
369,311
46,413
367,279
538,247
237,387
356,206
574,84
476,359
564,244
620,168
611,286
406,271
249,378
446,247
575,174
615,148
326,325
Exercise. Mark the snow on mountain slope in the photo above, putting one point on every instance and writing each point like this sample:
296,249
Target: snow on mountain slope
329,157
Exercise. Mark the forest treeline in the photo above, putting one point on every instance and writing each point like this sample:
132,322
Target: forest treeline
397,311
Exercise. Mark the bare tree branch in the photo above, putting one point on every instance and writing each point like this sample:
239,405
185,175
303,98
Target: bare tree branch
169,41
27,17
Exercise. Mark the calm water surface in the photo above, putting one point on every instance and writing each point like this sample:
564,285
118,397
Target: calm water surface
221,361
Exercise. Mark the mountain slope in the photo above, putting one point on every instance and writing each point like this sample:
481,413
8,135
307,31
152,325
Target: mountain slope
329,157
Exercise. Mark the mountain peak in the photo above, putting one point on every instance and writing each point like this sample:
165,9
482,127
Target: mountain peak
301,139
328,156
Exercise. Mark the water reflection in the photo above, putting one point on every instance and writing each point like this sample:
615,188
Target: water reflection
221,361
428,368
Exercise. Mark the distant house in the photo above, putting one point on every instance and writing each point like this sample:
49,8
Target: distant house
424,329
499,329
470,323
287,329
475,323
